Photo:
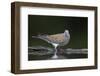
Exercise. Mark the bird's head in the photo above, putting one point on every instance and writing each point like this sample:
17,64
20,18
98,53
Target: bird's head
67,33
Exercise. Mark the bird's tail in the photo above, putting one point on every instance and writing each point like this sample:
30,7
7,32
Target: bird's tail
35,37
41,37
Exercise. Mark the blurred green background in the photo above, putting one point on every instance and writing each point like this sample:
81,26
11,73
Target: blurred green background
77,26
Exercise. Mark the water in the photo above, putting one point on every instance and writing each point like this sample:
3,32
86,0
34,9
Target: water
46,53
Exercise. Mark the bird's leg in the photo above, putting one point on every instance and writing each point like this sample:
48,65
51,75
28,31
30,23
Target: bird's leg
55,53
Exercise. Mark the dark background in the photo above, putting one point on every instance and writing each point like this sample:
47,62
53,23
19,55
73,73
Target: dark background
77,26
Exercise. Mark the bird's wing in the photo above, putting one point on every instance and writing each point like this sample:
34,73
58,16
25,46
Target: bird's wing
57,38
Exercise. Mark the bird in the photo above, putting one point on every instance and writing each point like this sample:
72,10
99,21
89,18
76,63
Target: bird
56,40
61,39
